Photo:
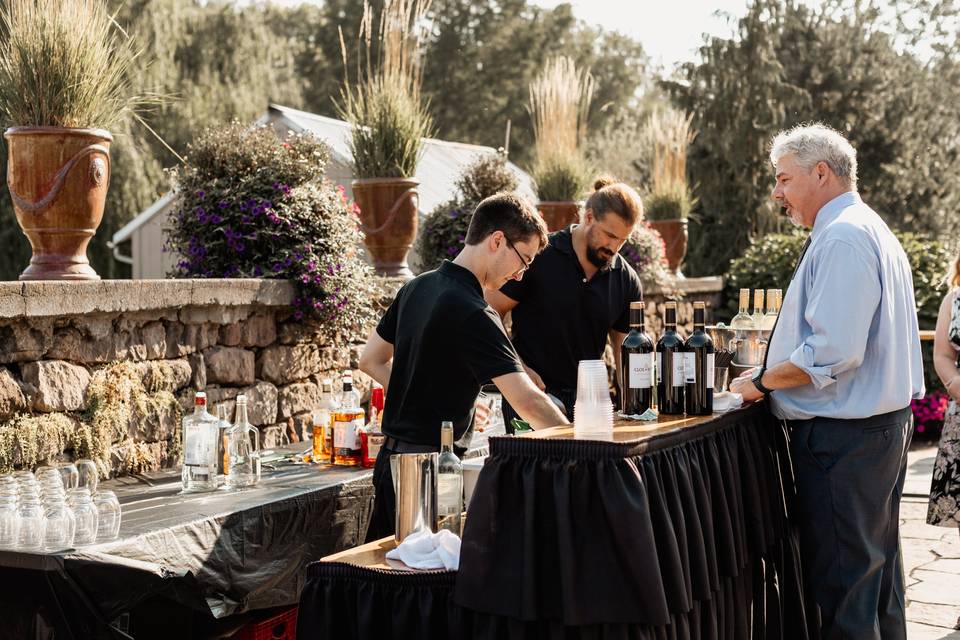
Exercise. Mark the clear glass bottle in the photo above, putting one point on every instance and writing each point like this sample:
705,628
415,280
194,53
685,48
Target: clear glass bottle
449,482
373,438
243,441
223,453
200,433
770,317
348,421
758,308
323,424
743,320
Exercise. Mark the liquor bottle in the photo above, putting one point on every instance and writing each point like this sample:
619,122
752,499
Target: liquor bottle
698,366
199,448
372,438
243,444
671,380
449,483
758,308
323,424
348,420
743,320
223,450
770,317
636,363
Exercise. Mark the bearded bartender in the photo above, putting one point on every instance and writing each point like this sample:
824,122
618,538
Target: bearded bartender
576,295
439,341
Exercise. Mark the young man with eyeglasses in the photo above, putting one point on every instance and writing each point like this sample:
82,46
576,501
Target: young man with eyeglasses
576,295
440,341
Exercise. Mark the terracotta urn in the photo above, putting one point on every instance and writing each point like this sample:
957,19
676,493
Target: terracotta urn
559,215
674,234
58,180
388,217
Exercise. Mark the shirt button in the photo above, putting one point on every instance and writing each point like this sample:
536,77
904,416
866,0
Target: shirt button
584,280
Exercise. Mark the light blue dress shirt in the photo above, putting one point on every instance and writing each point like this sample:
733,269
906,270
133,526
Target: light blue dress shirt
849,319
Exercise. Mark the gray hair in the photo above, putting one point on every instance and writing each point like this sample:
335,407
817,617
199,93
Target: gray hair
813,143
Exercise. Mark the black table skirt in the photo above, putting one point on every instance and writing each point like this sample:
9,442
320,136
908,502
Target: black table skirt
678,536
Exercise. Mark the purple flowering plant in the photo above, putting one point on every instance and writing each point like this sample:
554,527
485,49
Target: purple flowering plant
647,253
252,205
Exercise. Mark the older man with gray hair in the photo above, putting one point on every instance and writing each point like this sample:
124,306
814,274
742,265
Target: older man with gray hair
842,366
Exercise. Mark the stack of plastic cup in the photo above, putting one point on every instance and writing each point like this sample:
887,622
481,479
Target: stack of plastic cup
593,411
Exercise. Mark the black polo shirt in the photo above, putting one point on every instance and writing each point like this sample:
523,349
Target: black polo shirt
562,318
447,342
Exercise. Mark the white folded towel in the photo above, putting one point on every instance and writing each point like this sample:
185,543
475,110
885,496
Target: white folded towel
428,550
727,401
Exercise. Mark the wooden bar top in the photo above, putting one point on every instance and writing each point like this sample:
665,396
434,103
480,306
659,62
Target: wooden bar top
630,430
372,555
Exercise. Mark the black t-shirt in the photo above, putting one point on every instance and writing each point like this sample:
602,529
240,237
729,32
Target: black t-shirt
561,317
447,342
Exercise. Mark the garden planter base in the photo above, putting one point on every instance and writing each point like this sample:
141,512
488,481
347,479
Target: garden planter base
674,234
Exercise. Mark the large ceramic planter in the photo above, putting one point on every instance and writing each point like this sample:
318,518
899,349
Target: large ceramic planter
388,216
559,215
674,234
58,180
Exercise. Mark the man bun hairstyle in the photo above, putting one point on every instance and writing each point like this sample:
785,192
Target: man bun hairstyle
509,213
613,196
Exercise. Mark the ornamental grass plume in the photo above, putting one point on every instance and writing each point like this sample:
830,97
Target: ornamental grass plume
669,134
384,105
66,63
560,98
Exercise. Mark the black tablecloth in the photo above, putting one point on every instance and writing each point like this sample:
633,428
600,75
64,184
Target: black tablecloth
677,536
208,555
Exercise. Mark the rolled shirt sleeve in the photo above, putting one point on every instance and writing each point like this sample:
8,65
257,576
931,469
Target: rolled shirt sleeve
840,313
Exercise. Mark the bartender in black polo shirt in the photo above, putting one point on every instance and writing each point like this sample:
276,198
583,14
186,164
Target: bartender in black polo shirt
440,341
576,295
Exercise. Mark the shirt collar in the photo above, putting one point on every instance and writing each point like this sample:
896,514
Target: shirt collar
462,274
830,211
563,241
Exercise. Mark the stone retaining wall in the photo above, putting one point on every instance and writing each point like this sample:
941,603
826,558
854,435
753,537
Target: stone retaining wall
121,360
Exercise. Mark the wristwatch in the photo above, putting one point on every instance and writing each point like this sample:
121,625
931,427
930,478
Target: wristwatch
758,384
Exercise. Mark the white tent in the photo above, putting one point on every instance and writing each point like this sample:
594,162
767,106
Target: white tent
440,165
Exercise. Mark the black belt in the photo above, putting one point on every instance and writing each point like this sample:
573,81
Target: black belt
399,446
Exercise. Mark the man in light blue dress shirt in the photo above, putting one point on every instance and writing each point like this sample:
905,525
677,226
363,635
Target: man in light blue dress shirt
843,365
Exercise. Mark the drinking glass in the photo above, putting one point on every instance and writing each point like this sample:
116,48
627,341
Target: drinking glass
9,523
720,379
48,473
89,477
70,474
108,509
85,514
60,526
32,525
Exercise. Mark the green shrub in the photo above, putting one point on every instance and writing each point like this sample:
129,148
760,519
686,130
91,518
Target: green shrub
253,206
669,204
444,230
561,178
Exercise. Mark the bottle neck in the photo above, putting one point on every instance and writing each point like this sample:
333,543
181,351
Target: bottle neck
199,408
698,319
446,437
670,319
758,302
242,414
636,319
745,301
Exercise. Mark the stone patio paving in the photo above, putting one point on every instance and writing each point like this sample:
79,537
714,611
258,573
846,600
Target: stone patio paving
931,558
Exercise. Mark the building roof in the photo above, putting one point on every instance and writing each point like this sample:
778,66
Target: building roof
441,162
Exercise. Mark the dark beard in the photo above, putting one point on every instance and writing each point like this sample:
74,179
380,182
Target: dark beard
597,260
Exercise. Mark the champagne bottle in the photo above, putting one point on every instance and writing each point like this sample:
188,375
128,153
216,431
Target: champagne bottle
636,364
449,482
671,380
699,366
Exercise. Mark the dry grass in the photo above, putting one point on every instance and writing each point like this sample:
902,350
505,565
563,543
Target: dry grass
669,135
560,99
385,106
65,63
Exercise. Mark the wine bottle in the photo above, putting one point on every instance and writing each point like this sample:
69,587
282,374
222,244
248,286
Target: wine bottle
758,309
770,317
698,366
671,380
636,364
449,482
743,320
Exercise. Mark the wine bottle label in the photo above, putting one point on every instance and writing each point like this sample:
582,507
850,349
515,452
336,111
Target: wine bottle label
195,448
678,379
711,368
641,370
690,367
374,443
658,367
448,494
345,435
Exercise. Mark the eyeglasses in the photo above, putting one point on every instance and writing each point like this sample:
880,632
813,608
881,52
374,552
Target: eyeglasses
526,265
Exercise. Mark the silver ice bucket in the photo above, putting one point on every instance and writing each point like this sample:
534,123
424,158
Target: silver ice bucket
415,485
748,346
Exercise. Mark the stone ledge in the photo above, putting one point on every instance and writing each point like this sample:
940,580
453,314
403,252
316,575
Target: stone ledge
61,298
709,284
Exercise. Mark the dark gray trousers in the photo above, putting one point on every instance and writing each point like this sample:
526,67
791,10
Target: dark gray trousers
849,477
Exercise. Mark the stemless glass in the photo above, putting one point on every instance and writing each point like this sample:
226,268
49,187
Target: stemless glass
60,526
32,524
9,523
85,514
70,475
47,473
108,508
89,477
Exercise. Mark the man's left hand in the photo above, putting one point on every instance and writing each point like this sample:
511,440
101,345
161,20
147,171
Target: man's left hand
745,387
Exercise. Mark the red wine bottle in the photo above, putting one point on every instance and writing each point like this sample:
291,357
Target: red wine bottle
636,365
670,376
698,366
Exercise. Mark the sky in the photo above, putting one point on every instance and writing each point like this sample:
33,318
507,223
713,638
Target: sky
670,31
